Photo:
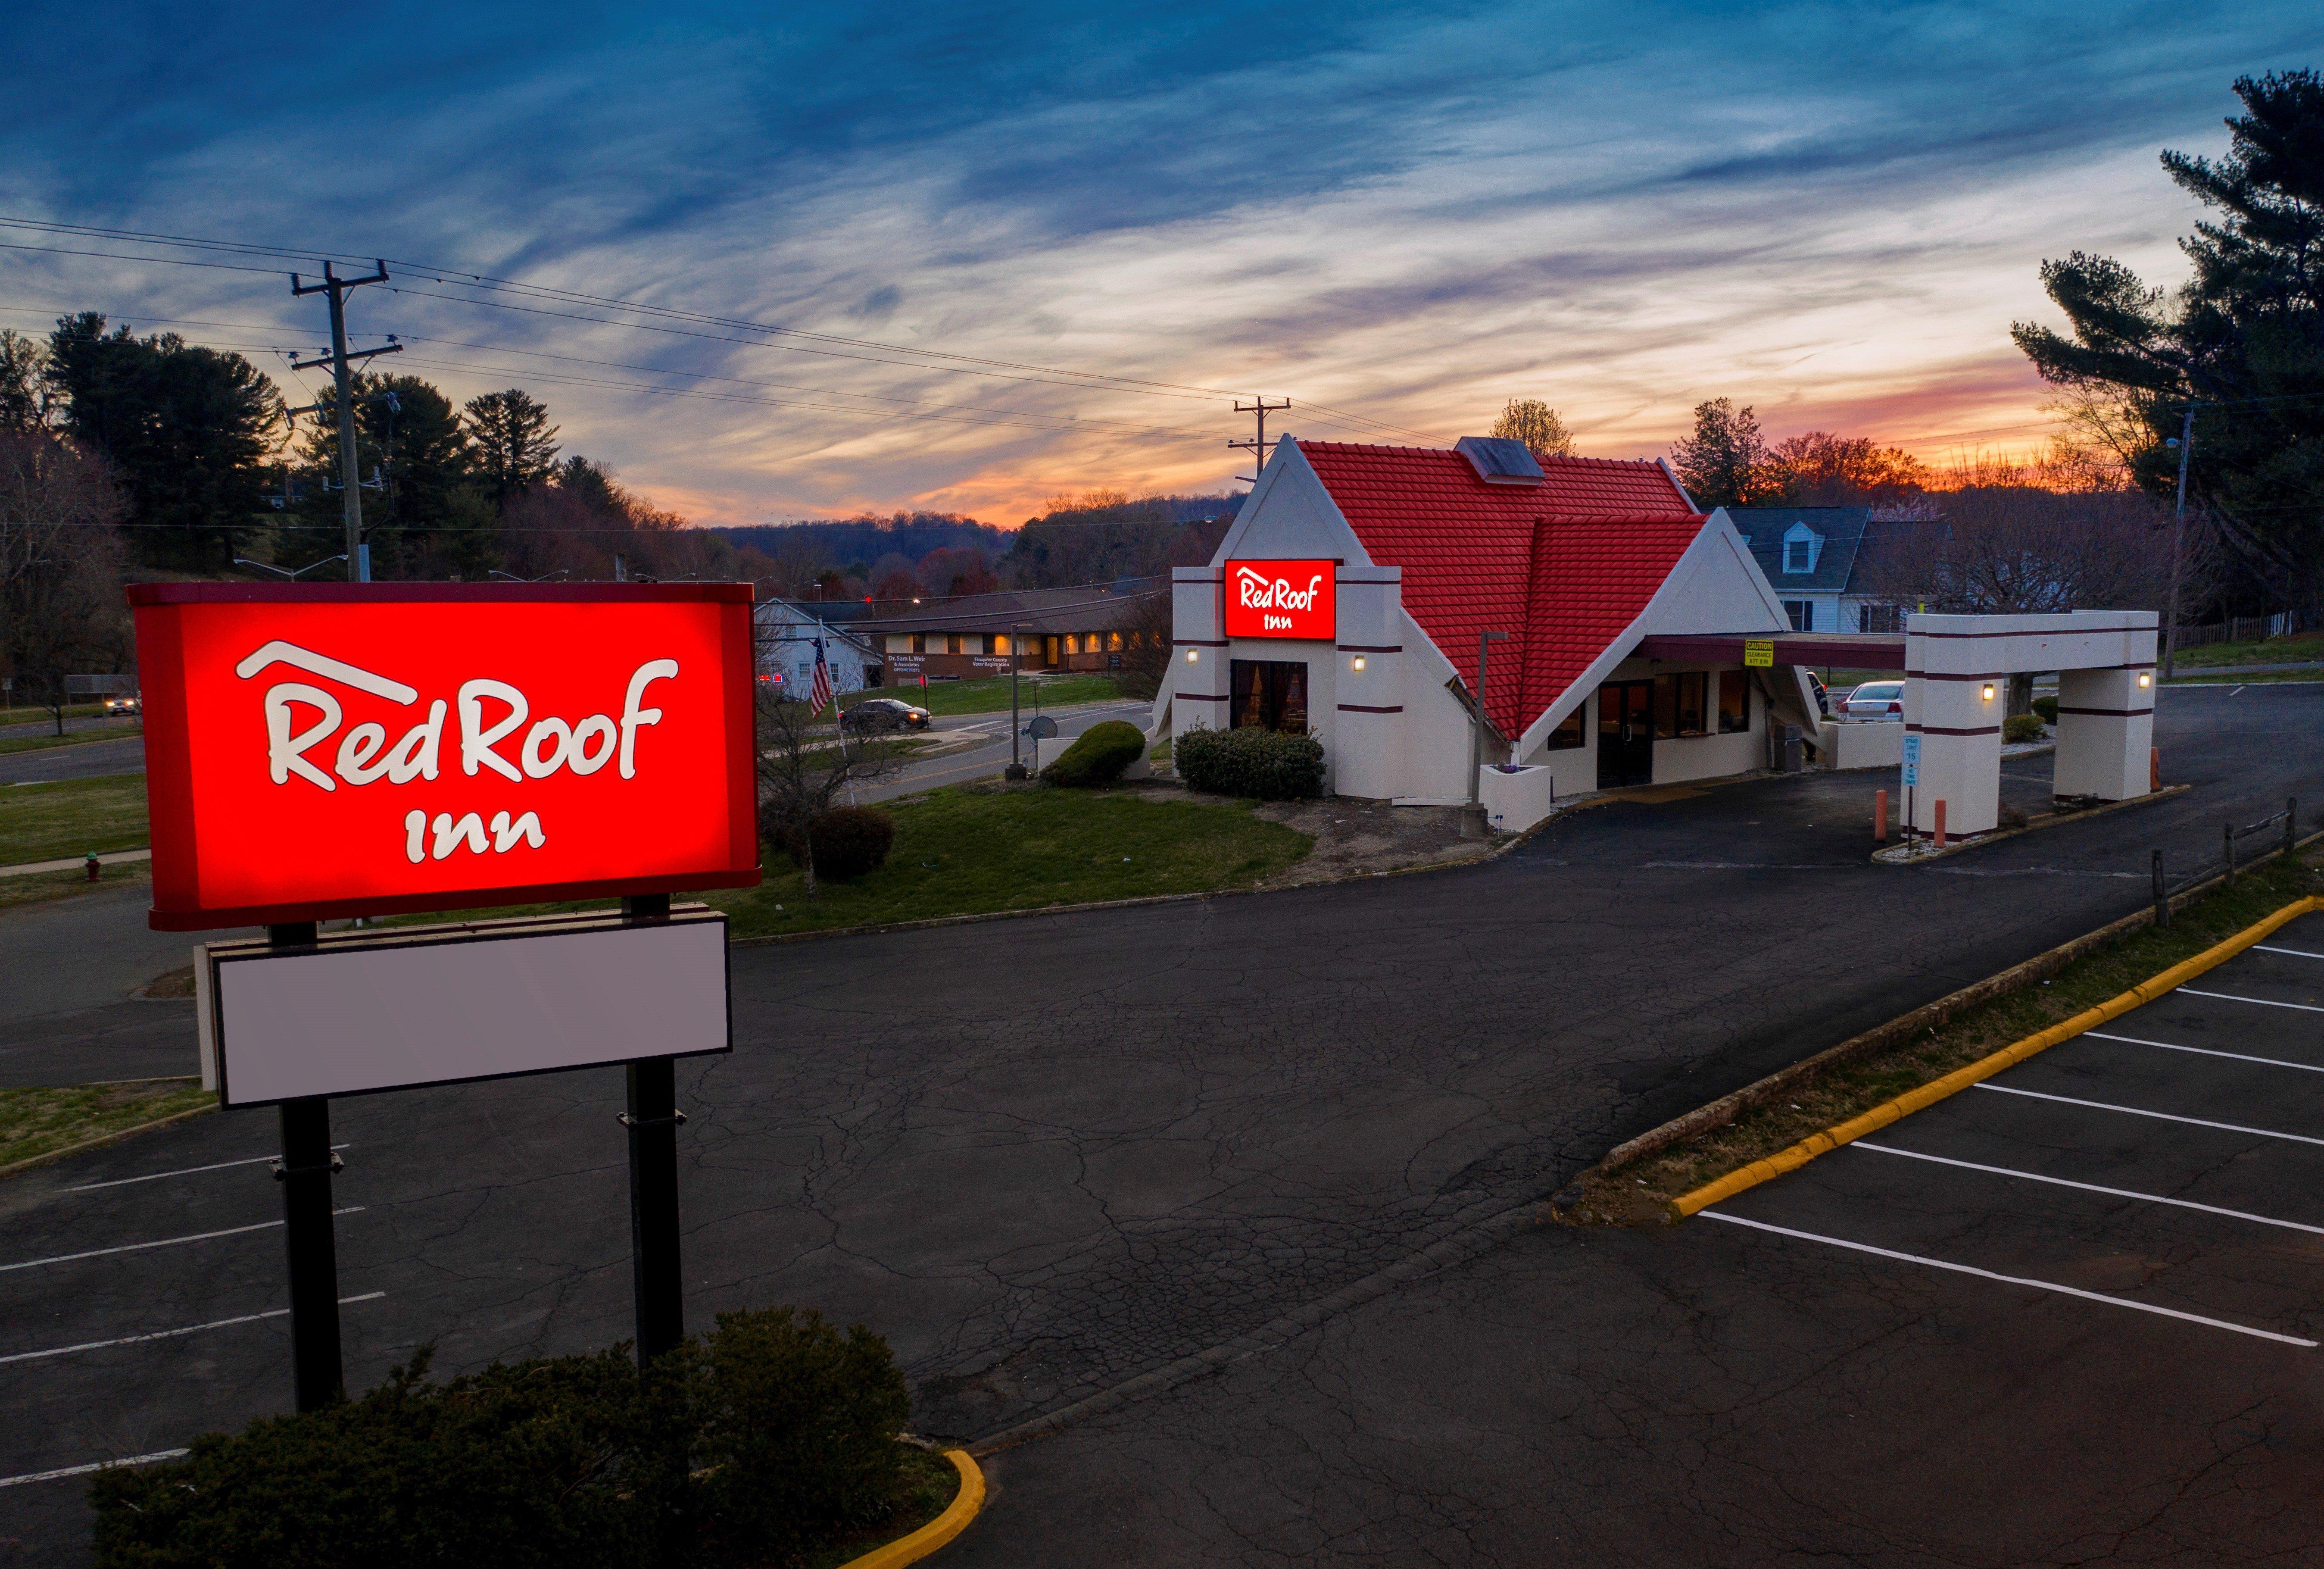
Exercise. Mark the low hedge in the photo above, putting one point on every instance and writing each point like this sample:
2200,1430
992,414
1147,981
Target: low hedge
848,841
1099,756
2047,707
2021,727
770,1435
1267,765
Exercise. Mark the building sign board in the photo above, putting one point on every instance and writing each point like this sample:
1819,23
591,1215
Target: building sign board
1760,653
393,1007
1288,599
363,749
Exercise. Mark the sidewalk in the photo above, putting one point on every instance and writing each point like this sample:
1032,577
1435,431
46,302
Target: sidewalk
111,858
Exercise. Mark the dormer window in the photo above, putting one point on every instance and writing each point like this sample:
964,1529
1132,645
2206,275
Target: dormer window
1801,545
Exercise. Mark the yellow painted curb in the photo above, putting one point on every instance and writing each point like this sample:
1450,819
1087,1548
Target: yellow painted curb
1961,1078
911,1549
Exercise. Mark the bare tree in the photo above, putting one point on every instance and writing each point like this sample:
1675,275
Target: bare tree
1146,626
1536,424
807,765
60,563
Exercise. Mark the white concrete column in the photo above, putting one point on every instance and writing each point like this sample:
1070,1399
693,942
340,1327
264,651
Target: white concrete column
1198,649
1954,701
1369,731
2106,729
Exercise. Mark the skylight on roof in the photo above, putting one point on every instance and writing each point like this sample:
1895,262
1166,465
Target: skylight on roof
1499,461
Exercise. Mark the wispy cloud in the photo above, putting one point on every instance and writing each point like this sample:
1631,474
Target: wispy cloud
1409,212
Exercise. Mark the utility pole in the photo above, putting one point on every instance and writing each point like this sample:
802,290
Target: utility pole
1257,448
1016,642
339,359
2186,446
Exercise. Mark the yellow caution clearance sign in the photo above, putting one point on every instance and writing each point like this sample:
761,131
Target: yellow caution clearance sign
1759,652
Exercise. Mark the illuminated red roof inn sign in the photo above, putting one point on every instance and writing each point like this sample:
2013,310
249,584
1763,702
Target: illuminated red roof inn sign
1291,599
336,750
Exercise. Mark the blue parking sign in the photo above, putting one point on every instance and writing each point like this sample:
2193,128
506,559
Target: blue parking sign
1912,760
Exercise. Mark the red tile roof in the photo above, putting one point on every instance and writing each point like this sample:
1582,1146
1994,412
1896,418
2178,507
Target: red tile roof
1562,567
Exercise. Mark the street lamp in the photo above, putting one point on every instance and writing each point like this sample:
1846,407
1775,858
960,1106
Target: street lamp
279,572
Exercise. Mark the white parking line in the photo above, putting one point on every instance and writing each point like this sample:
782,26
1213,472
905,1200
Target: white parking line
2090,1187
2204,1051
2010,1280
182,1171
2163,1116
32,1356
2263,1002
94,1465
2295,952
164,1243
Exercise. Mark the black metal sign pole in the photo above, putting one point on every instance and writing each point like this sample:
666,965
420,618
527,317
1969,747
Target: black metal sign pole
305,1175
652,1120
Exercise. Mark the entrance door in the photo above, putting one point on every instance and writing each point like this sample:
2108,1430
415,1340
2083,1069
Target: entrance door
1625,733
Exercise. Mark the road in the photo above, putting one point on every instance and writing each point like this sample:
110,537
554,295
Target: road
80,760
1096,1144
984,761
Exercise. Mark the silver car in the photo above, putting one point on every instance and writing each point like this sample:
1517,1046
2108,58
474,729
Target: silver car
1875,700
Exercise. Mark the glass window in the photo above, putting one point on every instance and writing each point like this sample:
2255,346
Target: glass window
1734,702
900,642
919,642
1680,704
1113,643
1269,694
1569,733
1000,643
1802,614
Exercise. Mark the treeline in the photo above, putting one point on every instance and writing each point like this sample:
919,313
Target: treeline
1098,537
212,470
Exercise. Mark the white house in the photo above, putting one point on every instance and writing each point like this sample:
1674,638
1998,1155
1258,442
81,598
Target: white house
787,631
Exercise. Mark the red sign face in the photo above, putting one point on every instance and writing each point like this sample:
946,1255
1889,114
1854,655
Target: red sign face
370,749
1281,599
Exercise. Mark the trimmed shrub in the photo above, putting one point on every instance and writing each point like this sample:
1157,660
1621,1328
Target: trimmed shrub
2021,727
1099,756
2047,707
1267,765
775,1434
848,841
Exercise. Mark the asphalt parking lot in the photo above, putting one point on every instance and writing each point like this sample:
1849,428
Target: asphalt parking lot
2170,1163
1127,1136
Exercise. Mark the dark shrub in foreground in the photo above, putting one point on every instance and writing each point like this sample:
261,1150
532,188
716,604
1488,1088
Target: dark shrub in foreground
848,841
775,1433
2021,727
1099,756
1268,765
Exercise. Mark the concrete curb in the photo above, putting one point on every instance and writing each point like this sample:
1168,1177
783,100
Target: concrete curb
115,1137
107,858
1897,1109
1717,1113
963,1508
1893,855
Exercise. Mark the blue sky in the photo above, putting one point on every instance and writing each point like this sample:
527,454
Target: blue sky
1402,213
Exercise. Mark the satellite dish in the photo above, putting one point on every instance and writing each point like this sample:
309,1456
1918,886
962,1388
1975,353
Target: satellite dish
1042,728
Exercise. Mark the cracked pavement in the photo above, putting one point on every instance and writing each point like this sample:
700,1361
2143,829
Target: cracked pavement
1044,1156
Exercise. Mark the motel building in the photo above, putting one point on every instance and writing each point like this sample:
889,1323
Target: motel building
1640,643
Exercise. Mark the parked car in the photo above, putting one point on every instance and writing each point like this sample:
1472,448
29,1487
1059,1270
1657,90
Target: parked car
885,714
129,703
1876,700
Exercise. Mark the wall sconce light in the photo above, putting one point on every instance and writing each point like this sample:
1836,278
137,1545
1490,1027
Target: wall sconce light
2146,678
1357,663
1988,691
1193,654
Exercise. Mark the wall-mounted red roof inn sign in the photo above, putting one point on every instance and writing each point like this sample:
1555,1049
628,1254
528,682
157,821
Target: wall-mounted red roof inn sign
371,749
1281,599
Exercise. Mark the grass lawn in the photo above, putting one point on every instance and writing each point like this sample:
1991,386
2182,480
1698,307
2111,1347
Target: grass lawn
9,744
991,696
46,822
971,850
26,715
1635,1192
2281,651
36,1120
2226,676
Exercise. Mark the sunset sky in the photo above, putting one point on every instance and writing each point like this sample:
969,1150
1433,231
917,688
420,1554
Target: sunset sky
1398,217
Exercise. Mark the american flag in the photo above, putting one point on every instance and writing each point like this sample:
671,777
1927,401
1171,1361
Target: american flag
820,698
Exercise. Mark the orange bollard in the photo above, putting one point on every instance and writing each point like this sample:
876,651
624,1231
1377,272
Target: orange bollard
2153,768
1941,823
1880,817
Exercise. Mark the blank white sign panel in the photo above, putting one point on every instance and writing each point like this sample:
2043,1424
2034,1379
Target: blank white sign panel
389,1017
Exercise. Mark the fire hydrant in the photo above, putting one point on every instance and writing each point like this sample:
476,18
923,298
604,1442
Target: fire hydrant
92,867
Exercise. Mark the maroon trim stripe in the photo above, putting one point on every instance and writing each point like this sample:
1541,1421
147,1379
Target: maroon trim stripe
1198,642
2046,632
1946,730
2107,713
1198,697
1367,709
1367,648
